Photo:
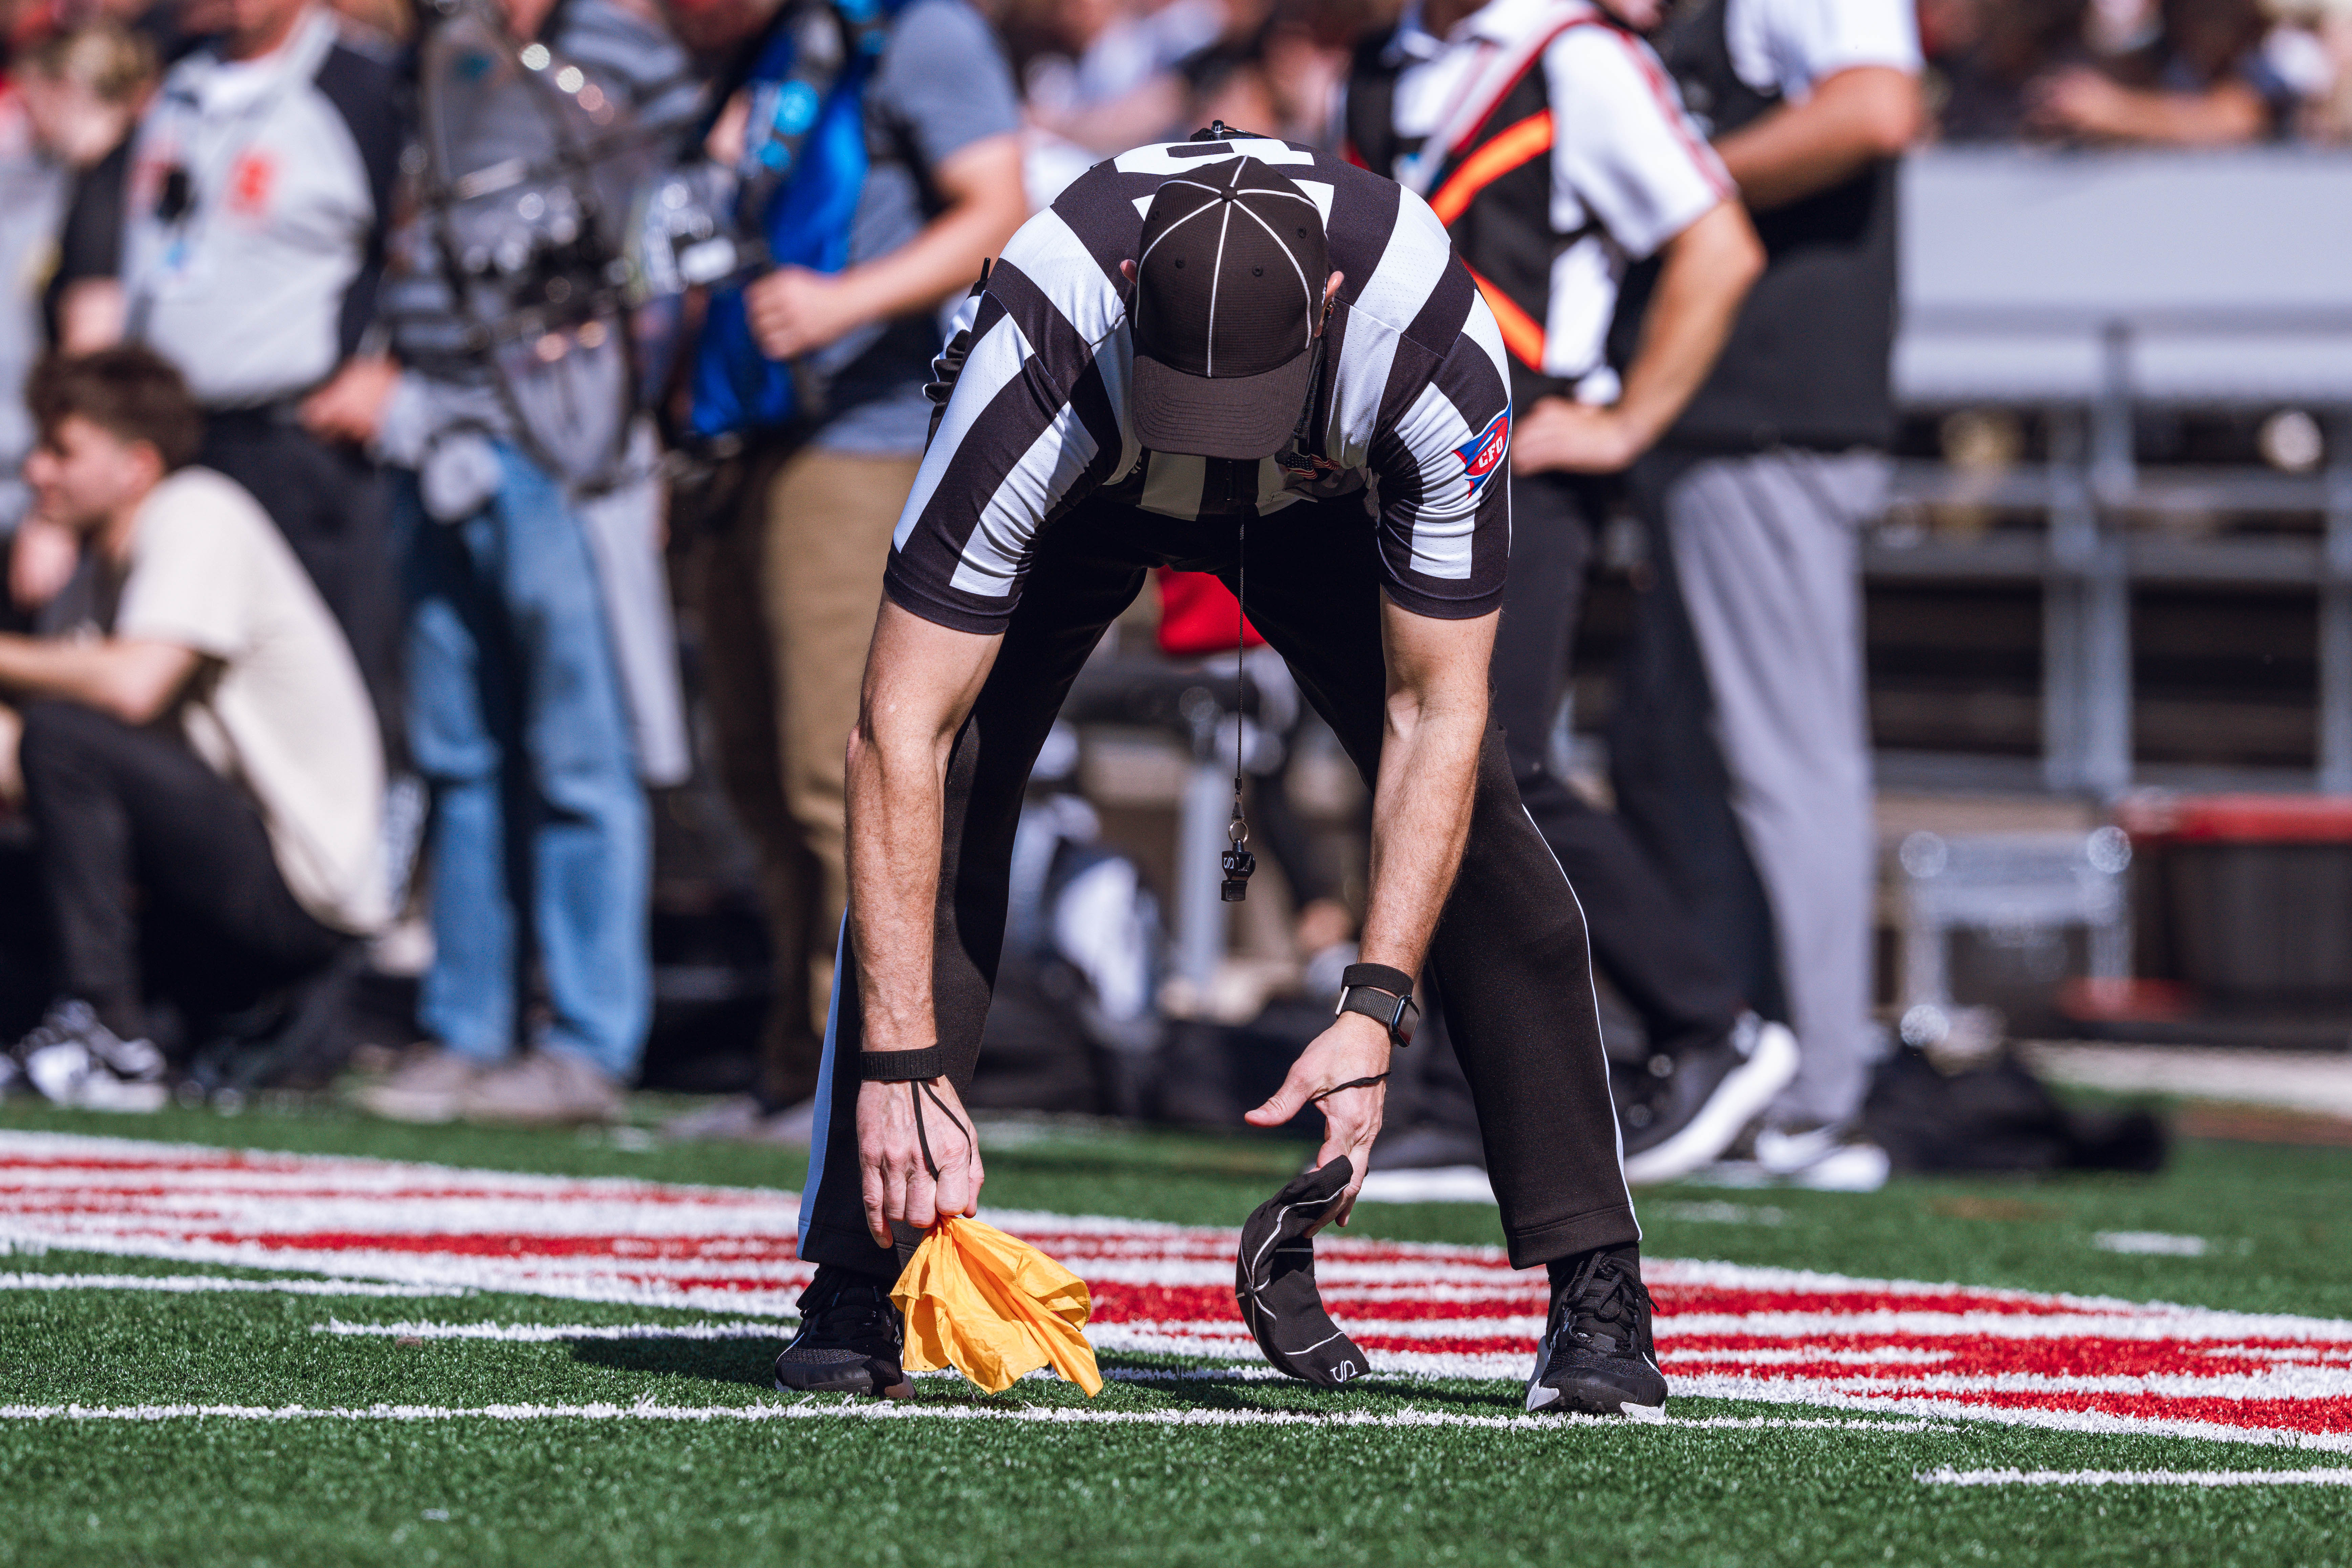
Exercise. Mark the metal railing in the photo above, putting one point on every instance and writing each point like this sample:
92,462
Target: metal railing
1997,314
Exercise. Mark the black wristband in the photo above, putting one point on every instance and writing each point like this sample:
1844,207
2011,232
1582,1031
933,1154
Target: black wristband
899,1066
1378,976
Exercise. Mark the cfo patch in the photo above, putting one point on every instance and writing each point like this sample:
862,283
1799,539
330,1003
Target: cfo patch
1482,455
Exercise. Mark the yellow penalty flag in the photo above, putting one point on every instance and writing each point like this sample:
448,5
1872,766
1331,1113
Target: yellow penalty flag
993,1308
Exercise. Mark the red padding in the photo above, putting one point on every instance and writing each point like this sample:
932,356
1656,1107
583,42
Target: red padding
2239,819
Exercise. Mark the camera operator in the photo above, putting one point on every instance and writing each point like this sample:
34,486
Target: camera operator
869,249
515,430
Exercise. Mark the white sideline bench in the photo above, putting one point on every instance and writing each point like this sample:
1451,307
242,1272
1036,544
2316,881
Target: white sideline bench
2084,285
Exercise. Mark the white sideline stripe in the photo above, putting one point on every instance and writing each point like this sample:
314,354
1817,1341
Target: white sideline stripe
1947,1477
1052,1415
188,1284
548,1334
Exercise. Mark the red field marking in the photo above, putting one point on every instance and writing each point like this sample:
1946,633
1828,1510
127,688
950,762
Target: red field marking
1775,1335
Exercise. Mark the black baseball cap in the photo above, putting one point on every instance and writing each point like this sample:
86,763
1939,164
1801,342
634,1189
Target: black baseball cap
1227,293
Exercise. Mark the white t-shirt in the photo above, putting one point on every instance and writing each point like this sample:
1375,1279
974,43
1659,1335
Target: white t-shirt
1792,43
1623,153
278,705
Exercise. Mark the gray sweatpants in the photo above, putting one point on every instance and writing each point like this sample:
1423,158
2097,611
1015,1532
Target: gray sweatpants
1766,551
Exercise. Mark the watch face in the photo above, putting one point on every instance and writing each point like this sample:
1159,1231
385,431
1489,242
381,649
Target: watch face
1407,1018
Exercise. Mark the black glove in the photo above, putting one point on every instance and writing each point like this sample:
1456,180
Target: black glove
1275,1282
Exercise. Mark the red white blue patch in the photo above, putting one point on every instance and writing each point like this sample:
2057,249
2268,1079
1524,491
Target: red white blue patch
1482,455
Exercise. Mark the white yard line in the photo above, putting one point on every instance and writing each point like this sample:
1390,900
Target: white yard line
1947,1477
191,1284
893,1410
549,1333
1824,1394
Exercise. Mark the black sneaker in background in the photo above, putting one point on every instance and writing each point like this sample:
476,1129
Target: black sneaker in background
849,1338
1597,1357
75,1060
1677,1113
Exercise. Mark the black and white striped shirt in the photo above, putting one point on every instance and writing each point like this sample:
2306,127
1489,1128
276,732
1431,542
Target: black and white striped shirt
1413,405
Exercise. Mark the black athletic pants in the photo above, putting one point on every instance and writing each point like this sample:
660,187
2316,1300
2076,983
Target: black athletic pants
1672,785
130,818
1643,939
332,504
1509,951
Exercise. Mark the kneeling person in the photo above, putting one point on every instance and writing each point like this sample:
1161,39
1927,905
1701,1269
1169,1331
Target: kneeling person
1234,355
206,750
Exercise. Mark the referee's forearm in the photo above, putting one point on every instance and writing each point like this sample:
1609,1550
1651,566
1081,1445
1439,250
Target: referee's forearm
897,793
921,682
1420,818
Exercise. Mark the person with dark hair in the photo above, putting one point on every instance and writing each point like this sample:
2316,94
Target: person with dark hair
199,751
2203,81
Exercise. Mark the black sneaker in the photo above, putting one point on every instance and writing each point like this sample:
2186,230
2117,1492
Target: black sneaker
1596,1356
1677,1113
74,1060
849,1338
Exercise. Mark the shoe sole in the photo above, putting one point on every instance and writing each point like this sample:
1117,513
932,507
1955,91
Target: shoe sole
1590,1396
1736,1102
857,1378
864,1389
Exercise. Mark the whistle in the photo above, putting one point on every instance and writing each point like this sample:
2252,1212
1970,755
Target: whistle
1239,865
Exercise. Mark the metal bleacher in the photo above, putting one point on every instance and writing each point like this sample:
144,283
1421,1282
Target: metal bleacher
2084,290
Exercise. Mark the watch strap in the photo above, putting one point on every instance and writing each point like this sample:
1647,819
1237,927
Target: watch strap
1385,1007
1378,976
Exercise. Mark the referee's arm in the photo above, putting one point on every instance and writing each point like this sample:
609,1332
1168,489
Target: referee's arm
1432,726
922,680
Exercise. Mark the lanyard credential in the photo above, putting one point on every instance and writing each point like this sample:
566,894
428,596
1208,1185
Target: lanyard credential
186,204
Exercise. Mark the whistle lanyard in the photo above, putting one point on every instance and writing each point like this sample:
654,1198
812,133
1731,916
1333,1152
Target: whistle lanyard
1238,861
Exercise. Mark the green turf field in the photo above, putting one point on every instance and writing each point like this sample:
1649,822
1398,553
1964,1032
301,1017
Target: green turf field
825,1487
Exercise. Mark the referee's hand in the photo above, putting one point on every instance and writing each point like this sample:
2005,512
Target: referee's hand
895,1180
1354,1047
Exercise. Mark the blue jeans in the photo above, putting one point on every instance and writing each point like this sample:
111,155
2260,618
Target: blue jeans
516,719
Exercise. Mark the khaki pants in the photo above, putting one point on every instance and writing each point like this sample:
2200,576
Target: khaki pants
788,594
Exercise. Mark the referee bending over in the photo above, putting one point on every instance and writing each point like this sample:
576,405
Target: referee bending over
1239,356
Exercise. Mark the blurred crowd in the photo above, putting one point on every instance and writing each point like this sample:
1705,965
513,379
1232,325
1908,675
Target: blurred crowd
450,293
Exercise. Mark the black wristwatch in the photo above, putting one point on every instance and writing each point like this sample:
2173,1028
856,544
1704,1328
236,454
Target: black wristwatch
1379,993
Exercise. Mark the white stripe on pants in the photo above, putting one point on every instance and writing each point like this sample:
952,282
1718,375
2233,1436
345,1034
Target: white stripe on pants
1766,549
